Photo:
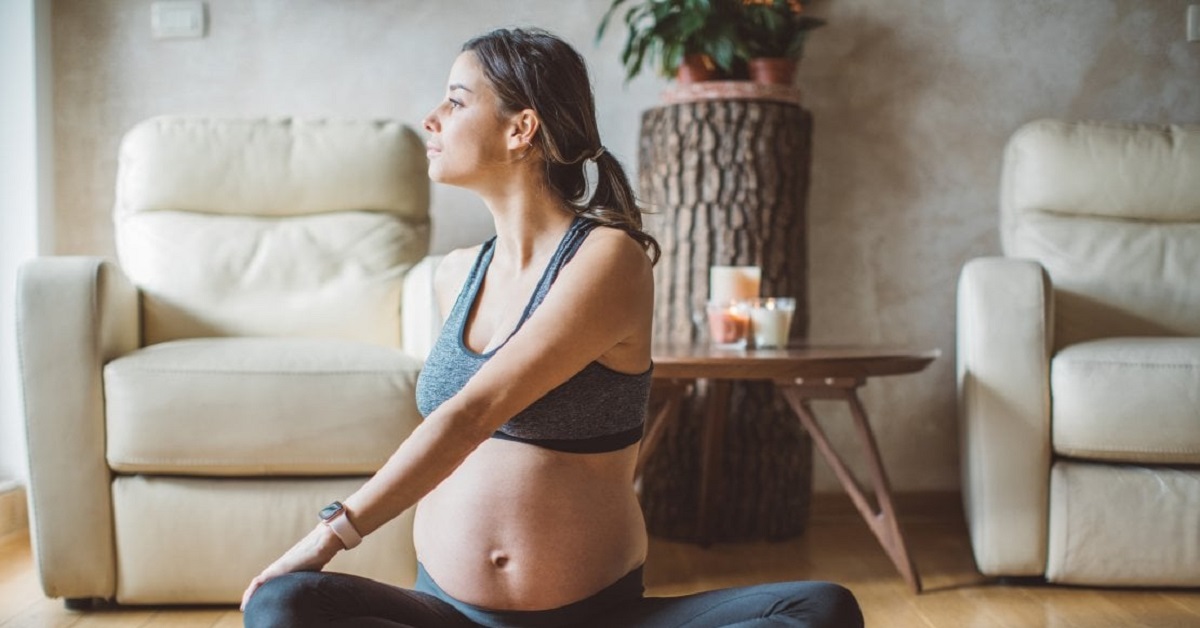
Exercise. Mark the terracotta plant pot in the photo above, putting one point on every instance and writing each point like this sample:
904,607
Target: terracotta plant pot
696,68
773,70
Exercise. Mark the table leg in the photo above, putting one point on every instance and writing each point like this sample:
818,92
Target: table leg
882,519
670,394
712,447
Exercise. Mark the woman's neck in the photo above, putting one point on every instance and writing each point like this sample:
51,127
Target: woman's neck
530,221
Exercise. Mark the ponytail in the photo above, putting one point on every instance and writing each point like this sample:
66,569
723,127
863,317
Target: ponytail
613,204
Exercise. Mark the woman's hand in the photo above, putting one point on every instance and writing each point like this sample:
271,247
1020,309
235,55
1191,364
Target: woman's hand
311,553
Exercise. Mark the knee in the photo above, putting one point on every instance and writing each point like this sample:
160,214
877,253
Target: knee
816,604
833,605
283,601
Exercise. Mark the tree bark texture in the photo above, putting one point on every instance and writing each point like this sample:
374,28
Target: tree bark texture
726,183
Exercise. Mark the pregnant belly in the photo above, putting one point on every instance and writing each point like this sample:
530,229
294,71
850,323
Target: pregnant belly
518,527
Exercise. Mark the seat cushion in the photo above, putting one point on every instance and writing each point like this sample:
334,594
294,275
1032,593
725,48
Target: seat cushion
201,540
1133,400
1123,525
258,406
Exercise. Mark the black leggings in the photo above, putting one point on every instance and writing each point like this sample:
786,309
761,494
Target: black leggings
304,599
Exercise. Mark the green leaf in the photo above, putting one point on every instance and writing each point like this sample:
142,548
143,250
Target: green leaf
607,16
722,53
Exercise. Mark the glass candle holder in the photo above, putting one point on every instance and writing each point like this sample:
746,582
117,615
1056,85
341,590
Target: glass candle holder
728,323
771,321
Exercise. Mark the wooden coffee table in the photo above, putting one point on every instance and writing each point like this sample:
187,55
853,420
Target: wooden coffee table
801,373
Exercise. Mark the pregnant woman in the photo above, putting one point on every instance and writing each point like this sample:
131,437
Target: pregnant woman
534,395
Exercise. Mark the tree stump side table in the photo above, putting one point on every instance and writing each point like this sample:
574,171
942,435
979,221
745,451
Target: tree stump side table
725,180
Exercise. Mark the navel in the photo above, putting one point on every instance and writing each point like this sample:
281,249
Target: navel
499,559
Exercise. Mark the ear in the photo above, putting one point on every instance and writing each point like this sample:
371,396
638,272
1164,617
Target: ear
525,125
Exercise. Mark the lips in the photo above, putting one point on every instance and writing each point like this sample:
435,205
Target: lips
432,150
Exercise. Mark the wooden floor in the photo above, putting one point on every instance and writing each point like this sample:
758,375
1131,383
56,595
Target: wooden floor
837,548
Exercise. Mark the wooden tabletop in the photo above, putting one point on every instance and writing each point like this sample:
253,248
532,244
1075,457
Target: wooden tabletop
798,360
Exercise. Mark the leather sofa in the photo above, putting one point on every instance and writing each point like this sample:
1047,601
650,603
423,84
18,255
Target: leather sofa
1079,360
251,357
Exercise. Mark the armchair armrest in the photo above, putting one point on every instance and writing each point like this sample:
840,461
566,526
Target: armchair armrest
419,316
1005,335
73,314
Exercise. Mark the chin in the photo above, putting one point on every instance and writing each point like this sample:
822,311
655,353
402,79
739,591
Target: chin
438,175
435,173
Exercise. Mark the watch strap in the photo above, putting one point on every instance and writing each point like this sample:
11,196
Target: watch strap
343,529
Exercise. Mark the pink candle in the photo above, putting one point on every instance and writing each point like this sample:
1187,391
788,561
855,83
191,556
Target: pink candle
728,323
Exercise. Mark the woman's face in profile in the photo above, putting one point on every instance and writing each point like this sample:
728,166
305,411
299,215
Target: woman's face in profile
468,133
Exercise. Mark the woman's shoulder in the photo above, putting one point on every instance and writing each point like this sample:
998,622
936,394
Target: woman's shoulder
451,274
617,247
615,240
611,261
456,264
459,260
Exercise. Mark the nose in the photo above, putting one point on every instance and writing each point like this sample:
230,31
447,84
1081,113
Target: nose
430,123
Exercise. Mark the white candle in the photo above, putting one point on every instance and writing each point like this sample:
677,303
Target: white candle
733,283
771,321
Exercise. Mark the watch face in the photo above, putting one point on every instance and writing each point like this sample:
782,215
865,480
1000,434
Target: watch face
331,510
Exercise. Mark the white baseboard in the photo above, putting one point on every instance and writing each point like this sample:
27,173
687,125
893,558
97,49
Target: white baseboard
13,513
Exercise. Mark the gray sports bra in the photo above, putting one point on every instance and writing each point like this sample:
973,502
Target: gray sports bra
597,410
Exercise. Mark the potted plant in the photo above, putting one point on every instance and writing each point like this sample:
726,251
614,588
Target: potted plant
772,34
689,40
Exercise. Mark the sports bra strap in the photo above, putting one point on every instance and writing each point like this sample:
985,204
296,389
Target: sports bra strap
567,247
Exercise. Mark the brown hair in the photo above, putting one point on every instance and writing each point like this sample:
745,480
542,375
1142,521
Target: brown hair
533,69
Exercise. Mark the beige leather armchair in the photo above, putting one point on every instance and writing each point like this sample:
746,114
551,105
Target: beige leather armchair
1079,360
252,357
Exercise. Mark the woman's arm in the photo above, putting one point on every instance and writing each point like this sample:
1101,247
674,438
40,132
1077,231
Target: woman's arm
600,300
600,304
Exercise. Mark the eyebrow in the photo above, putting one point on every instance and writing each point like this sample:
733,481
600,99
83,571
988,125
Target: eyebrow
454,86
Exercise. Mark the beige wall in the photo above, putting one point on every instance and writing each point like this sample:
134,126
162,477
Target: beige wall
912,104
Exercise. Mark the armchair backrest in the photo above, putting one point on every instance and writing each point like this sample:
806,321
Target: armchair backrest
1112,211
270,227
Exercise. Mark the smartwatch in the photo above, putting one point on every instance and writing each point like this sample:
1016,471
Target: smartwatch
334,516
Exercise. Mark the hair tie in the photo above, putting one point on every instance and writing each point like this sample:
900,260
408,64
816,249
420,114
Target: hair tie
595,156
